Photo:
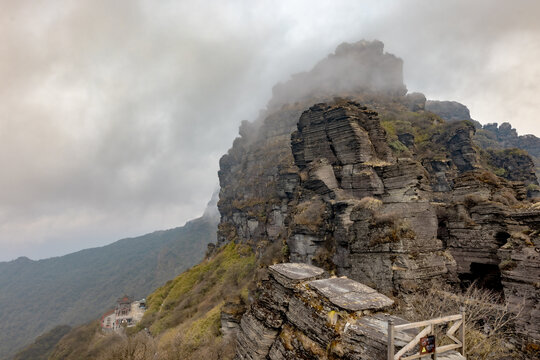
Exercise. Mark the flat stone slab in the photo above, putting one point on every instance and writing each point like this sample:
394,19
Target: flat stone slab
357,301
350,295
288,274
339,286
297,271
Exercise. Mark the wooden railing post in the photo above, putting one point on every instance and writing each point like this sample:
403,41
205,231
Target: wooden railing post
390,339
463,331
434,357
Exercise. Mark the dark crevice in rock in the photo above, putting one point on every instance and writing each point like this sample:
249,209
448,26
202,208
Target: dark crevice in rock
485,276
442,232
501,238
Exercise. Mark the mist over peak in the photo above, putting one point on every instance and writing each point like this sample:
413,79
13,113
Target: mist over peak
357,67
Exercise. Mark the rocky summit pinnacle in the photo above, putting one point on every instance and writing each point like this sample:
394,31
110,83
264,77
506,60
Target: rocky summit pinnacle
359,67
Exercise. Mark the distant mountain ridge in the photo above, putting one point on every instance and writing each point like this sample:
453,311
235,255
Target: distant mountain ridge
35,296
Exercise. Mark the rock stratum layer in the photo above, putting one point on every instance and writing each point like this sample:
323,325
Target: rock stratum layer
304,315
364,182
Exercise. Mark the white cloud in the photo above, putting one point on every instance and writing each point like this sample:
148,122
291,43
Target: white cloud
115,113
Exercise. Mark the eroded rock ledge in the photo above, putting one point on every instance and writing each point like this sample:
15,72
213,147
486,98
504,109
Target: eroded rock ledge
303,314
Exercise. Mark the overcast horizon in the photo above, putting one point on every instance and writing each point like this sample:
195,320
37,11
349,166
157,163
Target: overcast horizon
115,114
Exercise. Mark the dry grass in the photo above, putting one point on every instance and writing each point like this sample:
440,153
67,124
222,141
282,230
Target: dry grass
392,229
489,323
535,206
310,214
184,315
370,203
139,347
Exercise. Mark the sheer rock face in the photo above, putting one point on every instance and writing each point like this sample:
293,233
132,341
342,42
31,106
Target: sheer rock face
494,244
462,150
520,267
379,206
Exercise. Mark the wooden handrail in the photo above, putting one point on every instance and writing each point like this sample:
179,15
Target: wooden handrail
429,325
436,321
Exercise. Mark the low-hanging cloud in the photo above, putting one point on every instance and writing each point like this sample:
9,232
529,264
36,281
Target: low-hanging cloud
115,113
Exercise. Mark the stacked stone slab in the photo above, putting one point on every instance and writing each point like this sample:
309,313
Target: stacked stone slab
301,314
520,259
345,162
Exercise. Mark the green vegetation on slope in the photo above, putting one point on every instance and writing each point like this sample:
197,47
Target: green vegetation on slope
85,342
183,316
199,289
36,296
44,344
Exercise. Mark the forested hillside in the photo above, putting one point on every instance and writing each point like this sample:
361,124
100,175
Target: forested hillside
36,296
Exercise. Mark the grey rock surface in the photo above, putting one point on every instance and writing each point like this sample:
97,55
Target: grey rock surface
318,175
311,317
448,110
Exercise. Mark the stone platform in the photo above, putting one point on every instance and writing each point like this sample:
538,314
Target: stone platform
302,313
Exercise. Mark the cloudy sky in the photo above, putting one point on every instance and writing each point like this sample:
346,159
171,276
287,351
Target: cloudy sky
114,113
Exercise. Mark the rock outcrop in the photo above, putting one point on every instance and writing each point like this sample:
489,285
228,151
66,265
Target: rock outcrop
514,165
365,183
500,137
448,110
301,314
378,210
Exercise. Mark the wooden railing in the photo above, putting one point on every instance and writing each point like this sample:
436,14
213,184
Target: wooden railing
429,327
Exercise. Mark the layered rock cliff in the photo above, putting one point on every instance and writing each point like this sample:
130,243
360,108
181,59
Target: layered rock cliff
304,315
360,179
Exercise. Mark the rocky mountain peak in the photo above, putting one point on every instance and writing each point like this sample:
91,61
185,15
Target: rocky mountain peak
346,172
361,67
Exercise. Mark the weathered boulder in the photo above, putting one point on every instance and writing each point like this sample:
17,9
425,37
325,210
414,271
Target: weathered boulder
328,318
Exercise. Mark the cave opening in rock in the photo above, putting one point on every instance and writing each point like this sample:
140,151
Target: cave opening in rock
442,232
484,276
501,238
